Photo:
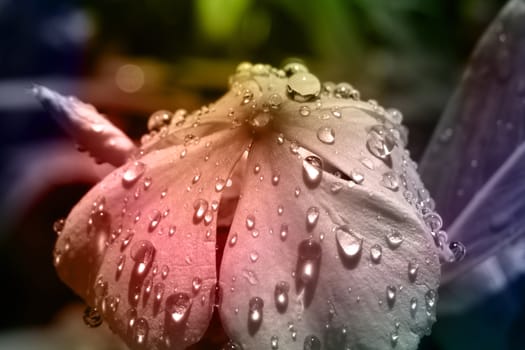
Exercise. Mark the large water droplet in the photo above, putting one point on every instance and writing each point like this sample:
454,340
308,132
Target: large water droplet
390,181
132,173
255,314
433,221
92,318
375,253
391,295
200,206
380,141
312,170
309,256
303,86
311,342
394,238
142,252
326,135
312,216
140,331
281,296
178,306
348,242
458,249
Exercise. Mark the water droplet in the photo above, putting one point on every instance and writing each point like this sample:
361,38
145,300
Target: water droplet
348,242
275,179
254,256
140,331
391,295
257,168
250,222
375,253
164,271
281,296
159,119
142,252
120,265
250,276
312,170
413,306
58,226
172,230
394,238
110,305
92,318
255,312
357,176
297,192
413,268
326,135
394,337
200,206
154,217
274,341
380,141
274,101
343,90
280,210
147,182
309,256
390,181
132,173
311,342
178,306
433,221
247,96
458,249
312,216
230,345
280,138
303,86
233,240
293,68
283,232
196,284
430,301
304,111
158,291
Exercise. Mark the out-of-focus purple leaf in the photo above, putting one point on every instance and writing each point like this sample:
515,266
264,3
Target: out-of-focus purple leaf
484,121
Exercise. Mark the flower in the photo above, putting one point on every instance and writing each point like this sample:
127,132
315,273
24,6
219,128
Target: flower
332,240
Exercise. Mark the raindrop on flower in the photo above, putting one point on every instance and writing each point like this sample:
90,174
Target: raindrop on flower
283,232
147,182
293,68
178,306
159,119
348,242
247,96
326,135
154,217
58,226
413,268
303,86
274,101
357,176
391,295
394,238
312,170
413,306
164,271
430,301
281,296
336,112
233,240
380,141
200,206
390,181
309,256
311,342
250,222
375,253
158,291
255,313
304,111
394,337
343,90
433,221
458,250
132,173
142,252
312,216
140,331
254,256
196,284
92,318
274,341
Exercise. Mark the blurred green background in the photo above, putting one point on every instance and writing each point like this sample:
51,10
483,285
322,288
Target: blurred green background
130,59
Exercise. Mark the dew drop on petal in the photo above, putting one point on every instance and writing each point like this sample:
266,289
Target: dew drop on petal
140,331
92,318
375,253
312,170
178,306
348,242
132,173
326,135
196,284
303,86
281,296
142,252
255,313
154,217
304,111
283,232
413,268
380,141
391,295
357,176
254,256
390,181
413,306
58,226
430,301
200,206
250,222
274,342
433,221
394,238
230,345
312,216
311,342
233,240
458,250
309,256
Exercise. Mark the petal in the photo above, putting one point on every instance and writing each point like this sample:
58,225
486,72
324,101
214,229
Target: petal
140,246
91,130
302,263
